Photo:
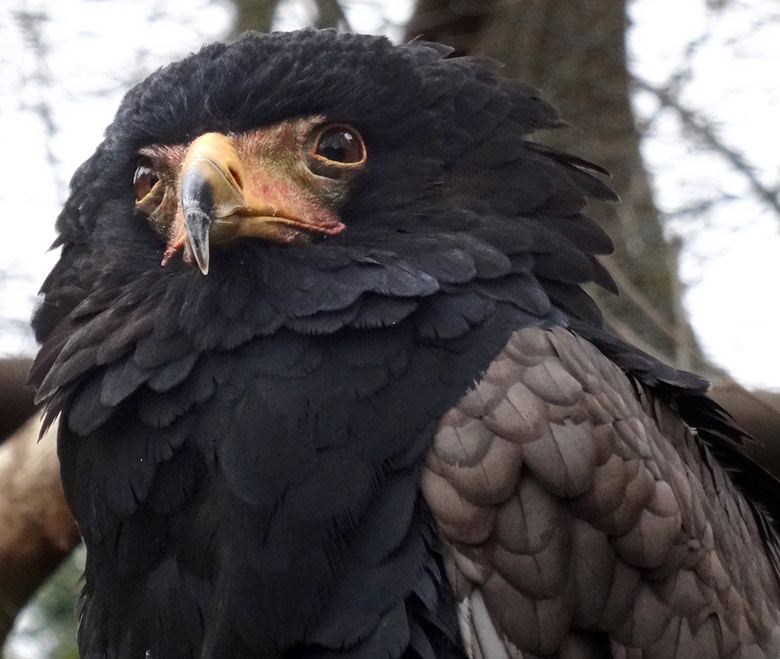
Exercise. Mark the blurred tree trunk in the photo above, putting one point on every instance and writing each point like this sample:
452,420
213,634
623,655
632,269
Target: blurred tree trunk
253,15
575,53
258,15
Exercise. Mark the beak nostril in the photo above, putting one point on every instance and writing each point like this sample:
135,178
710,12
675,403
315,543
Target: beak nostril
236,177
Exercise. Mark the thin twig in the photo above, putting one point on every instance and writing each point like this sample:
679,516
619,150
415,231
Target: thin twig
704,130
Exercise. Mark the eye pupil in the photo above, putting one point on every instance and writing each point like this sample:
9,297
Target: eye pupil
336,146
144,178
340,145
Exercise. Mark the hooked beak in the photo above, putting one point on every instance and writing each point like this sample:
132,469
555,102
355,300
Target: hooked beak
197,203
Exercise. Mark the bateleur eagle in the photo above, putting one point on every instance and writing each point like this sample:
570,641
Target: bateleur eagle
329,385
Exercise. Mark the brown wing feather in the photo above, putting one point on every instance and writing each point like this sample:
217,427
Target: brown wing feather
579,512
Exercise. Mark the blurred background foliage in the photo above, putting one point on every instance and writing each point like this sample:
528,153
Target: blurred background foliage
46,628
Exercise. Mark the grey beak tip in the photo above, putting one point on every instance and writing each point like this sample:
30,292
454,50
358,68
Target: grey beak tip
200,250
197,223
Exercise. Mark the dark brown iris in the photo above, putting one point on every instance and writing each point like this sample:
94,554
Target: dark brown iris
145,178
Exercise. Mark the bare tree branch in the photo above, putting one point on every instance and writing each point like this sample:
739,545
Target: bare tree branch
704,130
37,529
31,24
16,401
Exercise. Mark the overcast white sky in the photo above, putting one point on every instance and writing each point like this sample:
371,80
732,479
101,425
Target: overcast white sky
90,54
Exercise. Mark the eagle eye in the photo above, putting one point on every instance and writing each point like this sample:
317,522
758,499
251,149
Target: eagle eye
144,179
338,144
